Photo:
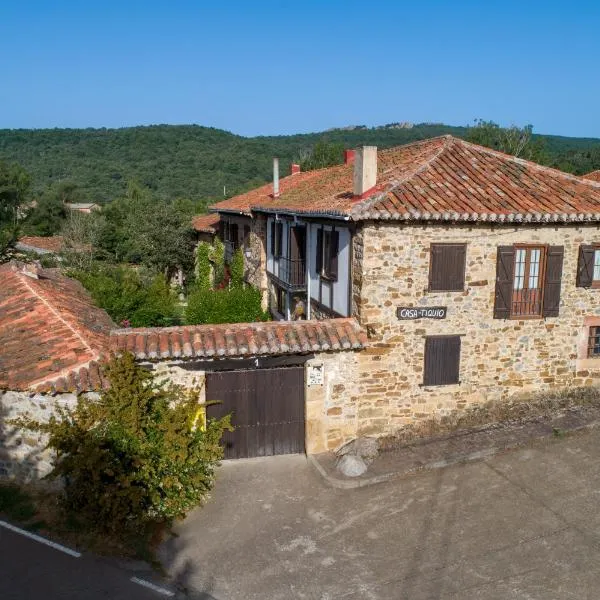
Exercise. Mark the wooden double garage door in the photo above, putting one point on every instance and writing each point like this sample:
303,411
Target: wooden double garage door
267,407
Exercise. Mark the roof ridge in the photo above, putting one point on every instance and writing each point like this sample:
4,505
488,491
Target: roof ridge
40,296
369,202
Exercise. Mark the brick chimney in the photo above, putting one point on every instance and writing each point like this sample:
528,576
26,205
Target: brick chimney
348,157
365,170
295,168
275,178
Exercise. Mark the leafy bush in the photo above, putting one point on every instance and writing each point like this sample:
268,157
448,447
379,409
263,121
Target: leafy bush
203,266
238,305
136,456
127,295
236,269
218,260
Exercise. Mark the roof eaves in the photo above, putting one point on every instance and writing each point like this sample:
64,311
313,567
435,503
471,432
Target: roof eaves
333,214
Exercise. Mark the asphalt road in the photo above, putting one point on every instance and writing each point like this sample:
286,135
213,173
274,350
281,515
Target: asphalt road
30,570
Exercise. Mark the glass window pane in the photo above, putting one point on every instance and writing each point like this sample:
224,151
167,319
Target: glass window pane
534,268
597,265
519,269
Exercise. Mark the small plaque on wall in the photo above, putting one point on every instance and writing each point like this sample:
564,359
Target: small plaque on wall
406,313
315,374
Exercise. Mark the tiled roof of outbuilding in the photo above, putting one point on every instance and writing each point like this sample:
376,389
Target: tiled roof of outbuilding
239,340
440,179
51,334
206,223
51,244
593,176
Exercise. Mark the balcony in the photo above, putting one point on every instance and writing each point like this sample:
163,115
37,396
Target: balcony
290,273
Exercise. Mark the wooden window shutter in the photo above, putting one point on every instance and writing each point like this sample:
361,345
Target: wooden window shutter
442,360
333,255
319,252
447,267
505,266
552,283
222,230
585,266
233,235
279,239
273,238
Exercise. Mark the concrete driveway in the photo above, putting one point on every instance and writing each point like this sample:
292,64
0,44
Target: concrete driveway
525,524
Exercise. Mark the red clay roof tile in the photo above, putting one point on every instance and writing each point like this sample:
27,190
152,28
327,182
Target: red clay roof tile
593,176
49,330
208,223
242,339
442,178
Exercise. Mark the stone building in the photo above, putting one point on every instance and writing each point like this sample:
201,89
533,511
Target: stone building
475,274
52,340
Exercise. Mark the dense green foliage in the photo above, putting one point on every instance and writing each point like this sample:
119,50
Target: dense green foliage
194,162
235,305
14,190
204,268
131,297
236,269
323,154
142,229
514,140
139,455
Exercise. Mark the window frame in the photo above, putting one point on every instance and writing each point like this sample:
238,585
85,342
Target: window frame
595,282
593,334
430,282
429,372
327,256
526,275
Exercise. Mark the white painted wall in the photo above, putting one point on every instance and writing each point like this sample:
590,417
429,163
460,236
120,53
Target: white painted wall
341,287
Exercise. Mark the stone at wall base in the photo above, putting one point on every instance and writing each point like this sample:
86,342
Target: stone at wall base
366,448
351,466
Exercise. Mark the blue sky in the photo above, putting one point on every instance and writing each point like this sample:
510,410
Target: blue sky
265,67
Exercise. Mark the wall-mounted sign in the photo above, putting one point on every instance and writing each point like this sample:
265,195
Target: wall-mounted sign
406,313
315,374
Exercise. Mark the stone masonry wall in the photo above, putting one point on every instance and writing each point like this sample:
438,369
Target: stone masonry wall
23,456
256,272
499,358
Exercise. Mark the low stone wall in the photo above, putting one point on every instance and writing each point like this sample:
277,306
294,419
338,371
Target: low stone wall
23,454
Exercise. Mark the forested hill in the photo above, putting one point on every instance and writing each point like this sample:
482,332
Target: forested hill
189,161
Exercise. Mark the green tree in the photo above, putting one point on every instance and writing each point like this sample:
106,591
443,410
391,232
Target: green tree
47,217
322,154
518,141
14,193
139,455
129,296
80,233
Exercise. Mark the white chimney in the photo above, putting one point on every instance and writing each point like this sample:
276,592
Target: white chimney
275,178
365,169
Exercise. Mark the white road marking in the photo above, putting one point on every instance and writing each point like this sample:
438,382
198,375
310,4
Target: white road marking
156,588
40,539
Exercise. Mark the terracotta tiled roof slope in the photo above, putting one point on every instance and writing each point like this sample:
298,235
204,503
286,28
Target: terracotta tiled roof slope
593,176
239,340
206,223
54,243
51,334
442,178
242,204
